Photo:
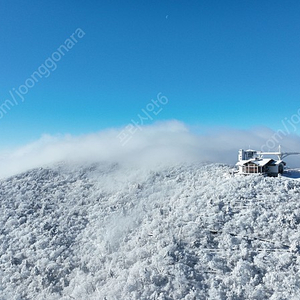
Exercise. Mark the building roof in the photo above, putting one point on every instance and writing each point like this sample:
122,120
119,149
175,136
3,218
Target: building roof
259,162
278,162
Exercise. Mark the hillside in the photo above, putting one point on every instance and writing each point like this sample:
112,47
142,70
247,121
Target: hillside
185,232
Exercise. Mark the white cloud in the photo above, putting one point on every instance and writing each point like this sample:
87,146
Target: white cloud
162,143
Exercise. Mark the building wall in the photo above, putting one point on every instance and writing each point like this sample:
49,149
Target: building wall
273,169
252,169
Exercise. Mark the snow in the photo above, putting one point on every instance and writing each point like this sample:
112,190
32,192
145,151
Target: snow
188,231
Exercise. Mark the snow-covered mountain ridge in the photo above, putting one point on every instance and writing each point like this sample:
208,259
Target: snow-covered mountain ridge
185,232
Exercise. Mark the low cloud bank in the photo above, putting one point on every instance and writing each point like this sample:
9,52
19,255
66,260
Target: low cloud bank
163,143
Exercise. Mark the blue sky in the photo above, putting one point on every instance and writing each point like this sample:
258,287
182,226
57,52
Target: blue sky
220,63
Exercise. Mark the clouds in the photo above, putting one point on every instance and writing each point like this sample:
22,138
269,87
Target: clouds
163,143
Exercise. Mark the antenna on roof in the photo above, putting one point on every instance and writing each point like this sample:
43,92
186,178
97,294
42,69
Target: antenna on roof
280,153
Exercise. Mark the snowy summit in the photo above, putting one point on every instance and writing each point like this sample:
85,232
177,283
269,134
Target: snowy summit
184,232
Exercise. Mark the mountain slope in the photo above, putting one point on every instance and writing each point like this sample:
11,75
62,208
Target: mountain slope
104,231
